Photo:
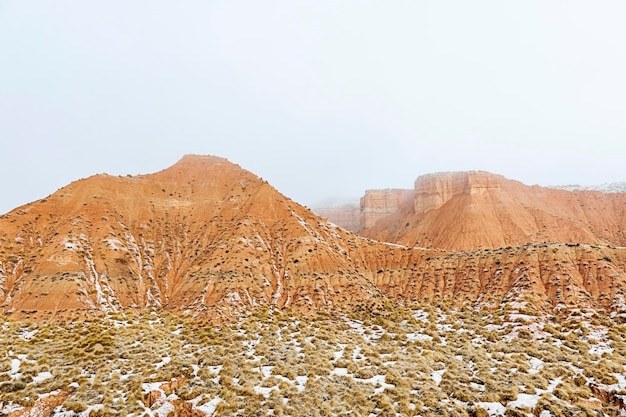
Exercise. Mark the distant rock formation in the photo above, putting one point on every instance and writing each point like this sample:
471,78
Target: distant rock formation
376,204
342,212
434,190
358,215
473,210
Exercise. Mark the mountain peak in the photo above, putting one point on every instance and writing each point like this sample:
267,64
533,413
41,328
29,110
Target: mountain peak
198,162
207,168
190,159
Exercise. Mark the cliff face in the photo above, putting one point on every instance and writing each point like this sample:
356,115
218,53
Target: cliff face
467,211
207,237
376,204
434,190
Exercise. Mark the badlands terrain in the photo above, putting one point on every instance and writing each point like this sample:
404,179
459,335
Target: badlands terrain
200,290
471,210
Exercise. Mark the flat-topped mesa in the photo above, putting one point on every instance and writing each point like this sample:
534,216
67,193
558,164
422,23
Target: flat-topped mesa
432,191
376,204
477,210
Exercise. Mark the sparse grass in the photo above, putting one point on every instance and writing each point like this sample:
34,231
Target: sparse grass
381,363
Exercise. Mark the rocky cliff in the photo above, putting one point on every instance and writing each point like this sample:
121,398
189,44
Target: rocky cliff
471,210
206,237
434,190
376,204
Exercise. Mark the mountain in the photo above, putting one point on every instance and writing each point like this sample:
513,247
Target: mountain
473,210
203,234
206,237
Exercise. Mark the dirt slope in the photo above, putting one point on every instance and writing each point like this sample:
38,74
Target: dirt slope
207,237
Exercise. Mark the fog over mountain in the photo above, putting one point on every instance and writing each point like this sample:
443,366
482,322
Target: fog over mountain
320,99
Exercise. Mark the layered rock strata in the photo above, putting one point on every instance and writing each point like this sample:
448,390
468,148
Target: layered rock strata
376,204
472,210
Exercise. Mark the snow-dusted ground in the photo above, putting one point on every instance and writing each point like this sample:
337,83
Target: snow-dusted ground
277,364
609,187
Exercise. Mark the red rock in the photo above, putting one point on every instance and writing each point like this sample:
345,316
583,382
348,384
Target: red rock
377,204
203,235
209,238
473,210
43,406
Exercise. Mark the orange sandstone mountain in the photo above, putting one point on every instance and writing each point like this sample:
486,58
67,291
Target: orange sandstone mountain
202,234
472,210
207,237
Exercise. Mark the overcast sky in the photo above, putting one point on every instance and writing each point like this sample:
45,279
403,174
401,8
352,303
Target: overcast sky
320,98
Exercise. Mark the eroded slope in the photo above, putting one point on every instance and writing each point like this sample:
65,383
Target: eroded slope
207,237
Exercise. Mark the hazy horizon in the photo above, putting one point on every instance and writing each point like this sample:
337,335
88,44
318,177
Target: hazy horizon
323,100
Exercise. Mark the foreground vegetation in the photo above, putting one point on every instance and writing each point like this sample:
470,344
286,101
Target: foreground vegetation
422,361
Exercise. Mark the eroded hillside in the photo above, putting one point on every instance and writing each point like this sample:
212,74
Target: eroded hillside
207,237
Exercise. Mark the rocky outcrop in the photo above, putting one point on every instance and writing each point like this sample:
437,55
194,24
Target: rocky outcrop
376,204
472,210
434,190
43,406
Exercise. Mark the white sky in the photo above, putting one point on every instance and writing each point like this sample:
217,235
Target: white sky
320,98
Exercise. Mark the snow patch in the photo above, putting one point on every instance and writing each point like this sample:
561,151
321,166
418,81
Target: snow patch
15,368
340,371
264,391
165,361
437,376
536,365
207,408
419,337
493,408
524,401
42,376
26,335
